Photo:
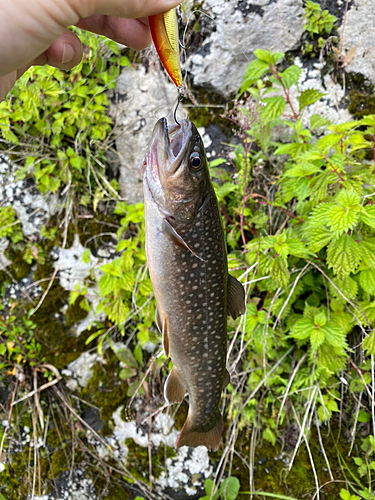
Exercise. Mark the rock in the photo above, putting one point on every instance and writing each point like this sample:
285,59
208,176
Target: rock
238,29
146,98
81,369
4,262
359,32
73,270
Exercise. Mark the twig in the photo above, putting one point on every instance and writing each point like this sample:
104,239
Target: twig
38,390
322,447
9,418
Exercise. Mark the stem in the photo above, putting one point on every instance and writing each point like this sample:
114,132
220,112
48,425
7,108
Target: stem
244,194
343,26
254,195
286,92
334,169
227,216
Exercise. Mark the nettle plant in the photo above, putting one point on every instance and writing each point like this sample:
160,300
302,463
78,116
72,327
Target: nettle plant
306,227
59,121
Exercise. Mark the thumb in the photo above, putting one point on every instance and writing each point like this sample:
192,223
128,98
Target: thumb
64,53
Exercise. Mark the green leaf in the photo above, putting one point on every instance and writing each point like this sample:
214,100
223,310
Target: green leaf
364,417
320,214
367,280
124,61
334,335
317,121
269,436
274,108
320,319
126,356
343,255
254,71
316,338
291,76
280,272
229,488
302,329
263,55
86,256
367,249
369,344
318,237
309,96
209,486
367,215
138,354
341,219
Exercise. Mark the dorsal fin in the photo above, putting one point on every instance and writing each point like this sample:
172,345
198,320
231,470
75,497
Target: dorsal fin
176,239
236,297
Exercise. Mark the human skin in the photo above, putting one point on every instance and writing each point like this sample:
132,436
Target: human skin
34,32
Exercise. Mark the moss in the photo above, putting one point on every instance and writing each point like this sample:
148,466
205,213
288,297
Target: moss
205,116
106,390
138,461
362,103
75,313
19,268
271,472
93,232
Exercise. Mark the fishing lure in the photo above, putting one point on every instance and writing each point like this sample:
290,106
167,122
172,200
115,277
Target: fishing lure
164,31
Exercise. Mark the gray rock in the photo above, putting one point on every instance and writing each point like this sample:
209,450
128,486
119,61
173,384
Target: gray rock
359,32
239,29
146,98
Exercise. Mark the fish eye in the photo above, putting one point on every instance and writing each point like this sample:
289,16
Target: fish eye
195,161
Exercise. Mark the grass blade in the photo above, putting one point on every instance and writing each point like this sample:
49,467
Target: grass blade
271,495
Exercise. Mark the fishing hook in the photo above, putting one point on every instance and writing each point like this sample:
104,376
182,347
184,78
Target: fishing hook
179,99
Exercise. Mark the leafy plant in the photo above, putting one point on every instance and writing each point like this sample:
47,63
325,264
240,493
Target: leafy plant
228,490
62,120
318,22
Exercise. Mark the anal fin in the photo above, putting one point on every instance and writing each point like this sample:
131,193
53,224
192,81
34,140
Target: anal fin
236,297
174,388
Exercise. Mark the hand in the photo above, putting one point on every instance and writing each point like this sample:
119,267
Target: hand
35,31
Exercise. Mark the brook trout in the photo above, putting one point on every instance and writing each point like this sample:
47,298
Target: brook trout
187,261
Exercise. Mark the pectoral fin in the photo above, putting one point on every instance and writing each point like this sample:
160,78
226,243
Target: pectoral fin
174,388
236,297
162,324
176,239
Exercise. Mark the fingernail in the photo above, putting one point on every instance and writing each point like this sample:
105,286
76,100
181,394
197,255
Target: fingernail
68,54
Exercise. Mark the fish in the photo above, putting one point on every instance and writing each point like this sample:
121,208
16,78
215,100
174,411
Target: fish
187,262
164,32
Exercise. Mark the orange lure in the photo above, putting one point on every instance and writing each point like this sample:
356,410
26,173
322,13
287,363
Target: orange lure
164,31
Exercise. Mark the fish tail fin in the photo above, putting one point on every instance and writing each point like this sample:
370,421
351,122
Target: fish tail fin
210,439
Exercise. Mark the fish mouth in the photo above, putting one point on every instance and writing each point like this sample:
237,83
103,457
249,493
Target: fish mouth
169,145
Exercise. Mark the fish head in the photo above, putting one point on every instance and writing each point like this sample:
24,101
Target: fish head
176,170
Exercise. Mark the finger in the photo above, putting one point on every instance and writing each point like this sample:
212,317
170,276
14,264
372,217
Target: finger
131,32
64,53
132,9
